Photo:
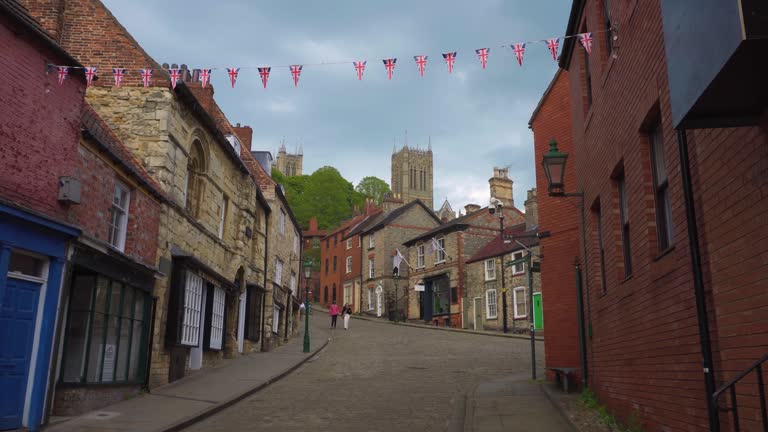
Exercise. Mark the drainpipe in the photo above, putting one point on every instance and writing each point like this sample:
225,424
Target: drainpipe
264,294
580,312
148,366
698,279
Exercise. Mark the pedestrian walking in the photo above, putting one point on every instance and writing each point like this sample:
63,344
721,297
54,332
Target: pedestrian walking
333,311
345,312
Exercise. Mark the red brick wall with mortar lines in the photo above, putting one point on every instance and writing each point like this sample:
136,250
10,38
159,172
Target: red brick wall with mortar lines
40,126
559,216
92,35
644,353
98,179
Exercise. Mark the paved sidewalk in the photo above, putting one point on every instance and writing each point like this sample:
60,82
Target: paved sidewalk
513,403
191,399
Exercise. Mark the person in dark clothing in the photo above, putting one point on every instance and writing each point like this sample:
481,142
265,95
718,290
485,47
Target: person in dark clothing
346,312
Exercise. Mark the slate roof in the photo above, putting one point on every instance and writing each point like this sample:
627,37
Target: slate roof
383,219
497,247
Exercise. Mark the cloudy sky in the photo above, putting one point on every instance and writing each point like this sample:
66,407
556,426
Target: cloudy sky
477,119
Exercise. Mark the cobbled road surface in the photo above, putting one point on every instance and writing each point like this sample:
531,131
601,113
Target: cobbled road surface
381,377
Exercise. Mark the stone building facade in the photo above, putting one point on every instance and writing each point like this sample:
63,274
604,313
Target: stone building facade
290,164
381,236
412,174
204,252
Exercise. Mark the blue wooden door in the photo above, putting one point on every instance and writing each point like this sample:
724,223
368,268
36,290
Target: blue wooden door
17,329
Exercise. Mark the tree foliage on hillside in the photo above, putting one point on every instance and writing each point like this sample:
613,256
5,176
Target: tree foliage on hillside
324,194
373,187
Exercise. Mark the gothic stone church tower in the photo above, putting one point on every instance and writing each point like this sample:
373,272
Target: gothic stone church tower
412,174
289,163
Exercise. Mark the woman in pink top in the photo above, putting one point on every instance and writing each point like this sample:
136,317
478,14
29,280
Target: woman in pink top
333,311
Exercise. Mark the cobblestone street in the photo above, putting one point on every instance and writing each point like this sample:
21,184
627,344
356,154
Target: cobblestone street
381,377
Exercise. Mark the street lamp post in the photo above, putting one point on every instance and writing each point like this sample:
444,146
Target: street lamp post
395,278
497,205
307,274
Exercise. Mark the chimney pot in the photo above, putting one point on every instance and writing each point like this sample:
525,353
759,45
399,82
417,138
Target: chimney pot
165,65
175,66
196,75
238,125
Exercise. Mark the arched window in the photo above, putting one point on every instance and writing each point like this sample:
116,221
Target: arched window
196,166
325,294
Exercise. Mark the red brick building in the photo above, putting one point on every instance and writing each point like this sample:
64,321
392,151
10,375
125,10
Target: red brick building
675,303
312,238
551,120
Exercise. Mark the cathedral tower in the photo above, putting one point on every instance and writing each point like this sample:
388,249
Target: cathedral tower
412,173
289,163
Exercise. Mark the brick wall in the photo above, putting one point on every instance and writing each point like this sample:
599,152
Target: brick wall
32,157
560,217
644,350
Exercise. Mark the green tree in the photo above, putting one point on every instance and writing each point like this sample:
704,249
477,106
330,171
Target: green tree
324,194
373,187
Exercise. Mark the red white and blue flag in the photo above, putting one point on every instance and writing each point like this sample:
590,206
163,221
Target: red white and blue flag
62,73
296,72
146,76
421,63
553,45
205,76
450,58
482,54
360,67
90,73
174,74
264,73
390,65
586,41
118,74
519,50
232,72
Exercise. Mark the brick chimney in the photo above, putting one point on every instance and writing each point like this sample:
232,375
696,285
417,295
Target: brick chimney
245,133
471,208
312,224
501,186
531,210
50,15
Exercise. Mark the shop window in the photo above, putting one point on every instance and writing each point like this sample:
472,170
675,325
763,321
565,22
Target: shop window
106,332
214,320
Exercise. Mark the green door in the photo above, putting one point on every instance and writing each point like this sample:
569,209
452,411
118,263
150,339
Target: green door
538,313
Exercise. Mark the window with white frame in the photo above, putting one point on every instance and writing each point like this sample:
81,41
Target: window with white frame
490,269
278,272
371,241
281,226
420,256
440,251
370,299
520,267
275,319
349,264
491,311
193,295
349,243
520,302
217,318
223,215
293,283
119,220
348,293
371,269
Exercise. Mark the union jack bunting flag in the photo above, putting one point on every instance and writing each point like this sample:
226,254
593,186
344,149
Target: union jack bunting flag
118,74
519,49
482,54
90,73
264,72
62,73
296,72
205,76
421,63
174,74
586,41
390,65
449,59
232,72
553,45
146,76
360,67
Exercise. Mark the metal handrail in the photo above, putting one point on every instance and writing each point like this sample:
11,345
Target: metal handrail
731,388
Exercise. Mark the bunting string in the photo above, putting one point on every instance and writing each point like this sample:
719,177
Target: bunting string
482,54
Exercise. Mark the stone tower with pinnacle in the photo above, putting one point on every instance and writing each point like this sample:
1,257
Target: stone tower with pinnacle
412,173
290,164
